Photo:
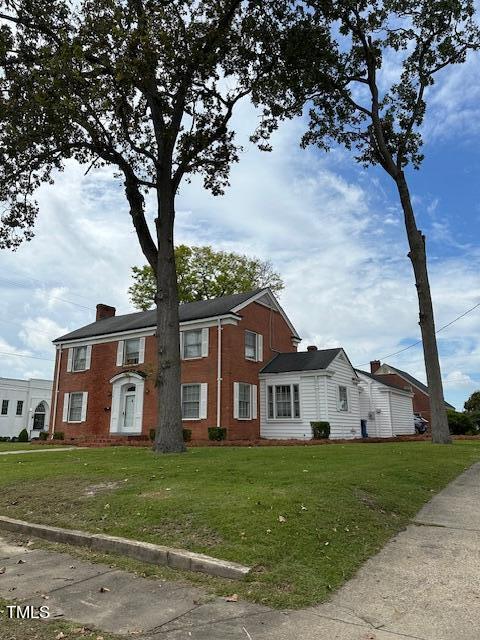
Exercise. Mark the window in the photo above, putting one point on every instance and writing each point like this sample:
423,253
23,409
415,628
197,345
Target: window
79,362
190,401
4,407
131,353
192,344
342,399
251,345
75,407
244,400
19,407
283,401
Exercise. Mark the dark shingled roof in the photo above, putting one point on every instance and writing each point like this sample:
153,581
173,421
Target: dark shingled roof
145,319
301,361
415,382
381,380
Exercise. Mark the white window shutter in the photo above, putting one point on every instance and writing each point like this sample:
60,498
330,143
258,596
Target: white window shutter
138,420
88,359
141,354
205,333
115,409
84,406
66,399
236,396
69,359
203,400
120,353
259,347
181,344
253,391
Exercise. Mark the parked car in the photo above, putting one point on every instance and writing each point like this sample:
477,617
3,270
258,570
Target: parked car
420,424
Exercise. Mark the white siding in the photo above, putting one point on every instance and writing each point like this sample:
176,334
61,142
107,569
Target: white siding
284,429
343,424
392,410
402,414
318,401
31,392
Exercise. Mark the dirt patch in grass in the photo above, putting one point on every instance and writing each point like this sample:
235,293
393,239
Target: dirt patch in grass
367,499
186,532
156,495
94,489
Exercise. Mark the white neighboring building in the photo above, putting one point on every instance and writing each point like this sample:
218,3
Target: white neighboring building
24,404
388,409
309,386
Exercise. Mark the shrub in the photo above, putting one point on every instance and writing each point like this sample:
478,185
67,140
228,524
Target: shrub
23,436
187,435
59,435
152,434
5,439
217,433
459,423
320,430
43,435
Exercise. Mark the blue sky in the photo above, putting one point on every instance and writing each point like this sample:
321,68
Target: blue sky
332,229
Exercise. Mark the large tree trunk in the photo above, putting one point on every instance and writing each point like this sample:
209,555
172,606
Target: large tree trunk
169,437
418,257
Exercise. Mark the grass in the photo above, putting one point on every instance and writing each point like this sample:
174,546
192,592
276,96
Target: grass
13,446
13,629
304,517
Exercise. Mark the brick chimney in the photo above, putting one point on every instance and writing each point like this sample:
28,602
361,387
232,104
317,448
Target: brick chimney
374,365
104,311
312,347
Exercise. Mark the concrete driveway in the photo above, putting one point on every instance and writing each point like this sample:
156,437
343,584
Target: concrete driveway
423,585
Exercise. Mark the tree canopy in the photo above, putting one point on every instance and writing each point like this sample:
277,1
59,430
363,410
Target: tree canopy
472,405
203,273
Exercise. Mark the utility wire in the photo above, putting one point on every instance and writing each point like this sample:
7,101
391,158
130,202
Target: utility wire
23,355
414,344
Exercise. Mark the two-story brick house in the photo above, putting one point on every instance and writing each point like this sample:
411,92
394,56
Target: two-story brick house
104,382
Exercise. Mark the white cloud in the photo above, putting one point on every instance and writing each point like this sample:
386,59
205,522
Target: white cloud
458,380
38,333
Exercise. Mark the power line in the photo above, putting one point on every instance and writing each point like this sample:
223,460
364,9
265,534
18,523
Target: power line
23,355
414,344
18,283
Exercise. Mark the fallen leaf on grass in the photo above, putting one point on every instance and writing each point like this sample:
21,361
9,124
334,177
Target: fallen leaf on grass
232,598
60,635
104,589
282,519
2,570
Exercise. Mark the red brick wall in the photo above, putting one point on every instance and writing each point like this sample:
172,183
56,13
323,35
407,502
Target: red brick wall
235,368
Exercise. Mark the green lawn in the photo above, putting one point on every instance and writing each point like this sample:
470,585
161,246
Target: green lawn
11,446
304,517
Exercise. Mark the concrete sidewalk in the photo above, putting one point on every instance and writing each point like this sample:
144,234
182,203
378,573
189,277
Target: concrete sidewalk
15,452
424,585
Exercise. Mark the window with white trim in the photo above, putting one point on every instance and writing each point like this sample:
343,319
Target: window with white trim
4,411
192,344
244,401
191,401
75,405
251,352
19,407
342,398
131,351
283,401
79,359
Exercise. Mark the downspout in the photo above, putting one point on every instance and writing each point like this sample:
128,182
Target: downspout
55,399
219,371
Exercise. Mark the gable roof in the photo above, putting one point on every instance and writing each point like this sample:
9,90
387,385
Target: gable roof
414,381
188,311
380,379
301,361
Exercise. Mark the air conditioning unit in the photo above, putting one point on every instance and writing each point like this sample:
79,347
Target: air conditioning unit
378,411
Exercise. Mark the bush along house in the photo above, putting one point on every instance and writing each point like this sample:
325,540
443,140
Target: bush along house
104,382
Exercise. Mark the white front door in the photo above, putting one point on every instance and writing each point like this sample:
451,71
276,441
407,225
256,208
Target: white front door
128,412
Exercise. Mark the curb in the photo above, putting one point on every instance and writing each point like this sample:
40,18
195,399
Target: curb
143,551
